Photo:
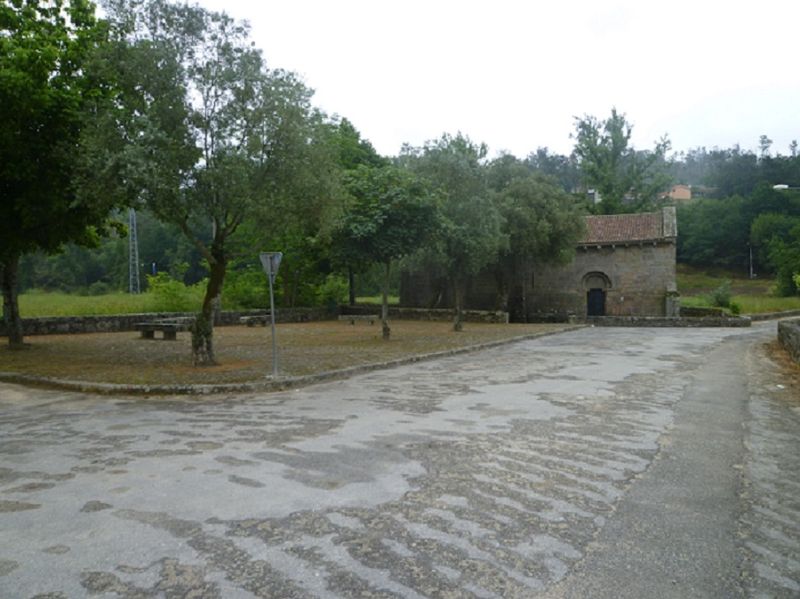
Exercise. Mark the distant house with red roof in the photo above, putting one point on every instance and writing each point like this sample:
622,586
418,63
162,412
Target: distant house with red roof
623,266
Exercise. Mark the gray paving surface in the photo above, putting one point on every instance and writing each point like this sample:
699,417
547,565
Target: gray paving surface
600,462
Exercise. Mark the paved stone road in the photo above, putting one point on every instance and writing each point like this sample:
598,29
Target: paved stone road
601,462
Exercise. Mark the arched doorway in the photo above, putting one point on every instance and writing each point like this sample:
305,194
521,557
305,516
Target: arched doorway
596,284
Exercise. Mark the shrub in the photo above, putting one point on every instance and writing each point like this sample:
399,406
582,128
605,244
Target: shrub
721,296
333,291
735,308
247,290
169,295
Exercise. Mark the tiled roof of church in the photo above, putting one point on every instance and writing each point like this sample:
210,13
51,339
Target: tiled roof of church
622,228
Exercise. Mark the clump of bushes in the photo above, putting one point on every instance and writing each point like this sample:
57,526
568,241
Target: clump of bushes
721,296
246,290
170,295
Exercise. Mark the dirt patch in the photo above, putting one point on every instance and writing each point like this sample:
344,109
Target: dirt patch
790,369
244,353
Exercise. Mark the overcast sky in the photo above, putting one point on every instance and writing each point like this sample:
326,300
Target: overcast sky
514,74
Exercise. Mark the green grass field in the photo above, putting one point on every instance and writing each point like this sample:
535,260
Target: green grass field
36,304
753,296
377,299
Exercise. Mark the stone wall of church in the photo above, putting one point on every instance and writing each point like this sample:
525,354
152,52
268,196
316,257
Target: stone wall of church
638,280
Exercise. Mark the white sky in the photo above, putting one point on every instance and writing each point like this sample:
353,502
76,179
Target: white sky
513,74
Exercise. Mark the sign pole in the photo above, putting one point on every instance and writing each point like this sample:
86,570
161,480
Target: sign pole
272,318
271,261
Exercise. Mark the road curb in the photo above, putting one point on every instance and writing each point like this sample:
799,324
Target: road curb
265,386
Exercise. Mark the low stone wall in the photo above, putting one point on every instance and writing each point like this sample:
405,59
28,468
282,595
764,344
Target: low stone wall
774,315
62,325
701,312
657,321
433,314
789,337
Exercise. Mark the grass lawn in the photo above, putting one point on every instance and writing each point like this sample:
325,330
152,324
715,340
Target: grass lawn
244,353
394,300
37,304
752,295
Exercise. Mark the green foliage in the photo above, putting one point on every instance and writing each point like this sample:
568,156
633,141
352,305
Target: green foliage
721,296
713,233
564,170
390,215
332,292
169,295
471,234
542,222
626,179
735,308
722,173
212,137
37,303
778,238
48,89
247,289
351,150
720,232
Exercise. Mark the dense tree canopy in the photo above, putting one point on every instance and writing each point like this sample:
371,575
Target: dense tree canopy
627,180
392,214
211,137
542,223
48,91
471,234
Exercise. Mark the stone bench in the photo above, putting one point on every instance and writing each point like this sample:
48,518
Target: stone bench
253,320
352,318
168,328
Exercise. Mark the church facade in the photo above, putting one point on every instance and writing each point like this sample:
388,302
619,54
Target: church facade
623,266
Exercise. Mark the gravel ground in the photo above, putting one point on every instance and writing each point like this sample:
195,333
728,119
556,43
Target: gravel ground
244,354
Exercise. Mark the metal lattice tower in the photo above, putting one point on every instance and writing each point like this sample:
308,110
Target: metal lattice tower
133,254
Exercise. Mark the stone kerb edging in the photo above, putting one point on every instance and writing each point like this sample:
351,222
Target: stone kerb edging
789,337
265,386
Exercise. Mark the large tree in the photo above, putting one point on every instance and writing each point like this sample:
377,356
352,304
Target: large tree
48,91
470,235
542,222
212,136
351,152
627,180
390,216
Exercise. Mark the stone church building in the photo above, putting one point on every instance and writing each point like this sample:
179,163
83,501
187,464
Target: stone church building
623,266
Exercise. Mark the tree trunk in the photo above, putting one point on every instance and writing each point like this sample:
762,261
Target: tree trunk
501,299
203,328
458,302
524,273
9,274
351,281
385,302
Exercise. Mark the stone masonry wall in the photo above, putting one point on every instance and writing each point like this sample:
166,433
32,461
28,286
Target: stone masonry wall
639,275
442,314
789,337
126,322
663,321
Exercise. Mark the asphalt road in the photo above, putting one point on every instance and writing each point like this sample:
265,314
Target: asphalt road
594,463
